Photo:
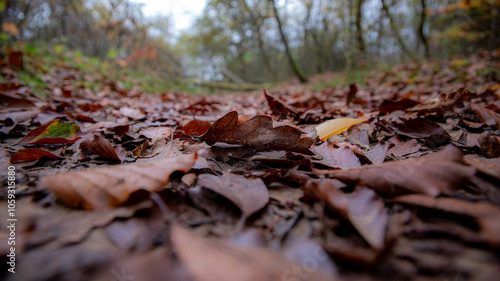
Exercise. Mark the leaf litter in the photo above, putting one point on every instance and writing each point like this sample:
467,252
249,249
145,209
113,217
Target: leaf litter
400,181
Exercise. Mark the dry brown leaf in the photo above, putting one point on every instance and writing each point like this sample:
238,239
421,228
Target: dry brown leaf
250,195
363,208
342,157
433,174
485,214
102,147
213,260
257,132
111,186
487,116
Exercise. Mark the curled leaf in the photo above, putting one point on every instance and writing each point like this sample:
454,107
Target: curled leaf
111,186
335,126
102,147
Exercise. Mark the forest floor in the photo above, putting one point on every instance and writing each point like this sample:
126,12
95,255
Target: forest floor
115,184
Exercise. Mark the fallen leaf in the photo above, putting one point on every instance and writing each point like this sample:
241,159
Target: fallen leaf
335,126
362,208
420,128
433,174
56,131
342,157
31,154
194,128
389,106
486,116
279,107
257,132
111,186
485,214
490,145
213,260
102,147
250,195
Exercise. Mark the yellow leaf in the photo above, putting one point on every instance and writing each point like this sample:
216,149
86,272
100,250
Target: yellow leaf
335,126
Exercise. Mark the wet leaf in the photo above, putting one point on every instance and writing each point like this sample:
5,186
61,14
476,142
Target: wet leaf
102,147
111,186
258,132
335,126
56,131
31,154
213,260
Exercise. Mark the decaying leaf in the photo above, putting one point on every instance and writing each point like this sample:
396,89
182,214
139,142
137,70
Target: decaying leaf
111,186
335,126
342,157
485,214
56,131
279,107
213,260
421,128
363,208
31,154
257,132
486,116
432,174
250,195
102,147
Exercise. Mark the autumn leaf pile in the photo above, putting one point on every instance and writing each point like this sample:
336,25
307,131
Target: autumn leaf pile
404,183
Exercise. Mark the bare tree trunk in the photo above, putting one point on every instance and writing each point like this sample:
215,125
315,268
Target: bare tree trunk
421,35
359,32
395,30
295,67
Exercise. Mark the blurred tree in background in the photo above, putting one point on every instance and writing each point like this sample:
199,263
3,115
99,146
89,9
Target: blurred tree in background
257,41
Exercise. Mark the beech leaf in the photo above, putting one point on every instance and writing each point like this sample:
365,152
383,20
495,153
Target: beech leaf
335,126
111,186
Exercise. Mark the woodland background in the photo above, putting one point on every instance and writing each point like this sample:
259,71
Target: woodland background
248,41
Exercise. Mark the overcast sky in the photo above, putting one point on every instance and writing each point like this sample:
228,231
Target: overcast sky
183,12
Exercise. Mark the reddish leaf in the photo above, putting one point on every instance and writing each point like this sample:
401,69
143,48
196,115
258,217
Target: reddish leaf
194,128
31,154
102,147
111,186
432,174
83,118
257,132
279,107
389,106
